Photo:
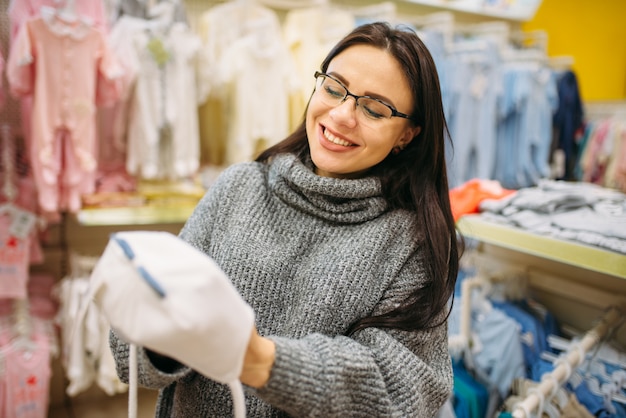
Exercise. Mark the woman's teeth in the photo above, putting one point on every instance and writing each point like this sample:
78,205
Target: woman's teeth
332,138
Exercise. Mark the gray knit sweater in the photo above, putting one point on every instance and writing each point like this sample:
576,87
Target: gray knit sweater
311,255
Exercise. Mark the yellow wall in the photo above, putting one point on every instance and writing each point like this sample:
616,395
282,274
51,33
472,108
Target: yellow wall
594,33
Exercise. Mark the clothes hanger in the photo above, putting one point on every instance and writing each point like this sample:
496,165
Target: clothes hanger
385,10
527,46
161,15
532,59
292,4
498,32
537,39
602,351
561,62
608,391
441,22
66,10
569,365
64,17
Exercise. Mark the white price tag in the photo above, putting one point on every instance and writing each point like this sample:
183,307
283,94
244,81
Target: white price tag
478,86
22,223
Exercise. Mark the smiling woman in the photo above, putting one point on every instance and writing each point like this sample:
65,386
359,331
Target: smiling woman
348,137
342,240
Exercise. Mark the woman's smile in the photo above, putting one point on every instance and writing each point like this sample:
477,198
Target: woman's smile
336,140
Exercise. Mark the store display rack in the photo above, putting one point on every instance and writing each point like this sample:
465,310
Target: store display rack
141,215
568,252
518,10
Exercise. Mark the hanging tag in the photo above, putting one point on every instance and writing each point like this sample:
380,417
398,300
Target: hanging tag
477,345
22,223
159,53
165,133
165,142
165,150
544,75
478,86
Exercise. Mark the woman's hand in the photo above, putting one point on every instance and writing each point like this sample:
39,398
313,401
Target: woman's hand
258,361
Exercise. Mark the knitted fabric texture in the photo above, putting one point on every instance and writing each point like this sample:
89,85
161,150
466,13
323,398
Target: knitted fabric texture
311,255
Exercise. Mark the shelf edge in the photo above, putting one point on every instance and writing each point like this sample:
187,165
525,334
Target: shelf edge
567,252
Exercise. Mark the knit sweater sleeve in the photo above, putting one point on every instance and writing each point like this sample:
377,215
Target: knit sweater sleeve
375,372
148,375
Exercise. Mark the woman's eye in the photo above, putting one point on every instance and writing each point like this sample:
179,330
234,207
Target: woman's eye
371,113
333,91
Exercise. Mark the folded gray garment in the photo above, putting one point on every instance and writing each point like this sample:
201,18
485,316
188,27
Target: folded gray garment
551,201
582,212
595,190
537,200
601,229
496,205
590,220
555,197
531,220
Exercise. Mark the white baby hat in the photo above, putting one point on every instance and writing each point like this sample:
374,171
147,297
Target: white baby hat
159,292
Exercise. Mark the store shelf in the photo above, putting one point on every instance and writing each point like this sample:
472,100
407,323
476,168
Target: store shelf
568,252
518,10
153,203
141,215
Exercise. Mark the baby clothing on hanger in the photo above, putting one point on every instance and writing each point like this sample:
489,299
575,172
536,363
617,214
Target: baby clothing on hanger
77,63
259,62
309,34
26,375
162,71
86,357
21,11
16,235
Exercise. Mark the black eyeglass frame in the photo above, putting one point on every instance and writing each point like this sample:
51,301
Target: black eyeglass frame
394,112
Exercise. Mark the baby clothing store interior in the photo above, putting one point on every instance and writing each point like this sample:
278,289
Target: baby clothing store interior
536,108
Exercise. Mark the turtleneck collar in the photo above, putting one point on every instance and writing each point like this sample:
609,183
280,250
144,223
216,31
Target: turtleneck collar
336,200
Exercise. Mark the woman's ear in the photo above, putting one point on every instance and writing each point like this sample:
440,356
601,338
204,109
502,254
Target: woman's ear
408,136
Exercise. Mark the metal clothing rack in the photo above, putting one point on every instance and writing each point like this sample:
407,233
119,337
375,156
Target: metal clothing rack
488,272
575,355
548,263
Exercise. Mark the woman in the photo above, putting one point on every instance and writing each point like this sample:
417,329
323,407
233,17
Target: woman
342,240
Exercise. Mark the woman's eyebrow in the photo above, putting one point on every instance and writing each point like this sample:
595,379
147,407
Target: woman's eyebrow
367,93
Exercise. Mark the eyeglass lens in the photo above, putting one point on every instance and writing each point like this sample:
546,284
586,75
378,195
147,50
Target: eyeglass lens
333,93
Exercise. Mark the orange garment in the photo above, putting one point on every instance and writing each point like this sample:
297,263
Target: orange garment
466,198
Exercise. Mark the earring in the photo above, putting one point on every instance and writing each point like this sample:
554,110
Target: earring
396,150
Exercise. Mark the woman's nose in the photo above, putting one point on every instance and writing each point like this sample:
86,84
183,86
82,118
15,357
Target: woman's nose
345,112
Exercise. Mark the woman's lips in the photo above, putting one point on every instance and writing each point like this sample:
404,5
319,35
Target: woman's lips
335,139
333,142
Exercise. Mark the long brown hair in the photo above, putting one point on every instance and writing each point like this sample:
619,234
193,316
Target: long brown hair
413,179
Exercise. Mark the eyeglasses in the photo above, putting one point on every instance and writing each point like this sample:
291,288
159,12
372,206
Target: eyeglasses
333,93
